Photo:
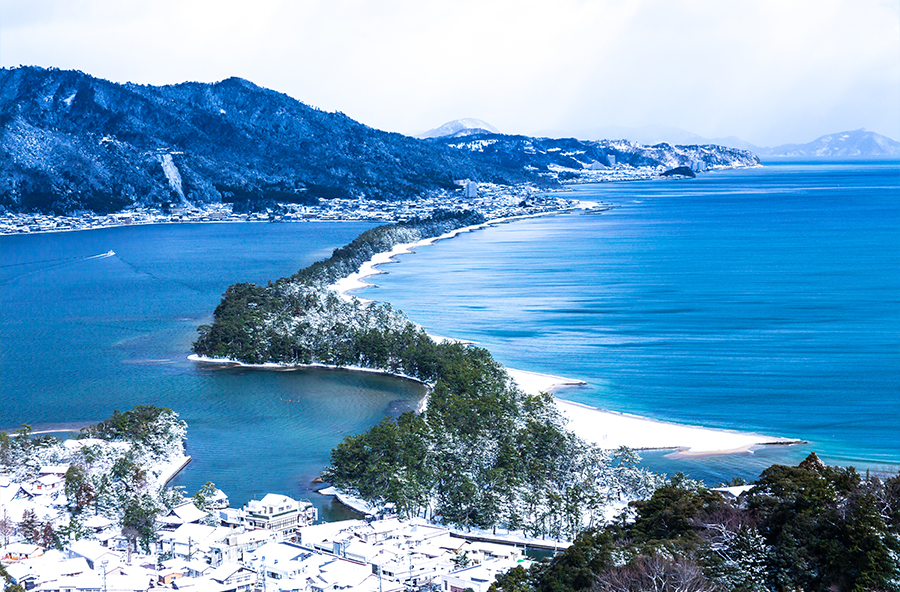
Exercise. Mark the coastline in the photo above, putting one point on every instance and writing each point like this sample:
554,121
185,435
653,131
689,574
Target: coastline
603,428
612,429
354,281
229,363
606,429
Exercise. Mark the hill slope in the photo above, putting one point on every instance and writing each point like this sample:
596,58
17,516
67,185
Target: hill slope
71,142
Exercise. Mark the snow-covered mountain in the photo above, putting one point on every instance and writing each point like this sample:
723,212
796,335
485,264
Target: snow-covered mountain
851,144
70,142
460,127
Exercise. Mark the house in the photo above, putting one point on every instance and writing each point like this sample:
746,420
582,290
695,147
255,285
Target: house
233,577
190,539
279,513
20,551
103,528
48,484
732,493
58,470
94,553
234,547
479,577
186,513
169,575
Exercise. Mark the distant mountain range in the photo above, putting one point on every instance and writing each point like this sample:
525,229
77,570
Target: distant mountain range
850,144
853,144
70,142
460,127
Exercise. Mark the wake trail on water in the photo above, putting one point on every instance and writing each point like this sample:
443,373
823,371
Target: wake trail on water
52,264
141,271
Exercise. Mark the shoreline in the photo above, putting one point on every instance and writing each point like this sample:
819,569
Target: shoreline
606,429
278,367
612,429
603,428
354,281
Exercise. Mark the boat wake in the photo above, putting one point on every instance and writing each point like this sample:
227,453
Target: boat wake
101,256
28,267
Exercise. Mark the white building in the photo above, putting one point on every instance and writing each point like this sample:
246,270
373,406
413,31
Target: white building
279,513
479,577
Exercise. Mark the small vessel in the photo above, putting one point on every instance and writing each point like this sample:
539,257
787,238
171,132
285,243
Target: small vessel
110,253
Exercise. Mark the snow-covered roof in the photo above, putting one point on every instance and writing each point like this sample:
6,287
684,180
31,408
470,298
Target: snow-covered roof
197,534
734,491
50,480
276,502
97,522
340,572
224,571
281,552
54,469
93,551
188,512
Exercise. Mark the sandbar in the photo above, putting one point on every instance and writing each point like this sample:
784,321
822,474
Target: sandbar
611,429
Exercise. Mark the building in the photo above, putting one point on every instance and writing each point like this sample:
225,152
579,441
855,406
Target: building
279,513
479,577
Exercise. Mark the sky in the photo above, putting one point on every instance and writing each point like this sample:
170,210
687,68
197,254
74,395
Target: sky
767,71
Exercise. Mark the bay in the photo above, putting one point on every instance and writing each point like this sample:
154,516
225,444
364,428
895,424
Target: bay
762,299
84,334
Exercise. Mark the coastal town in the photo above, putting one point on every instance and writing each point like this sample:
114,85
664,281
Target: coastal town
200,543
492,200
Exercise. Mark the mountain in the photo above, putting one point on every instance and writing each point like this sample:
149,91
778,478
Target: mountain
852,144
70,142
564,158
460,127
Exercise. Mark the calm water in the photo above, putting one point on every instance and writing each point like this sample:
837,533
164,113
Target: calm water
764,300
84,335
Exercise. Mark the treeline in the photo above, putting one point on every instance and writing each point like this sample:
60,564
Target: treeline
484,454
119,482
297,320
811,527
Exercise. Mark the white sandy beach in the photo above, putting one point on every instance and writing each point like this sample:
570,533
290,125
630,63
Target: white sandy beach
609,429
354,281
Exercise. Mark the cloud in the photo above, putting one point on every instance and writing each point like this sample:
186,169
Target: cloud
766,70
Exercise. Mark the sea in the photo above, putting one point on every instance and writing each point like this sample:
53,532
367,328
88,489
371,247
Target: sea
764,300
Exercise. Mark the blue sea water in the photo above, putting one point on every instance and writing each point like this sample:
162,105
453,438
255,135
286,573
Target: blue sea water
83,335
765,300
762,299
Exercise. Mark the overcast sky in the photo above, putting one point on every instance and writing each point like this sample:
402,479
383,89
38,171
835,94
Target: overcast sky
767,71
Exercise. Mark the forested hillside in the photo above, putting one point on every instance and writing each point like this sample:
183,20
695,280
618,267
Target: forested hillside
811,527
70,142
